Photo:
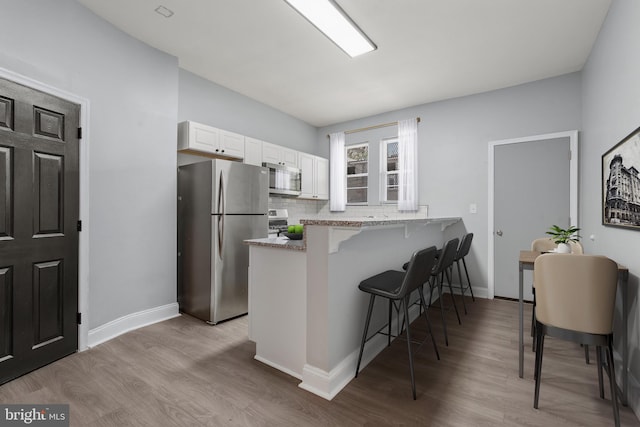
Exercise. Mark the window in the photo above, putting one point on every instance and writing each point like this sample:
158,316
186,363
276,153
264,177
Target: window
389,170
357,173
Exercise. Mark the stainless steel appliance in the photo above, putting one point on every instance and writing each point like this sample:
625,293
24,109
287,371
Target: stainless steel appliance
284,180
220,204
278,221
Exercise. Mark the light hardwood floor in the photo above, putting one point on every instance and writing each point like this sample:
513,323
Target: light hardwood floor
182,372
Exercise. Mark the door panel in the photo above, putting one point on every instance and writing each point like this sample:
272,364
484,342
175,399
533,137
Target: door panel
47,194
47,302
531,187
6,318
6,112
6,193
39,209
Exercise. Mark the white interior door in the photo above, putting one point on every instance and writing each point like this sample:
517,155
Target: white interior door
532,191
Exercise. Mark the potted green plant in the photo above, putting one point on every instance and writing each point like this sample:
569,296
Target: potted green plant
562,237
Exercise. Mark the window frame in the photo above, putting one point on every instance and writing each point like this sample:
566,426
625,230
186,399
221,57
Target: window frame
347,175
384,173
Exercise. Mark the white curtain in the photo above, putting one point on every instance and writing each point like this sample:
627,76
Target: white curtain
338,172
408,165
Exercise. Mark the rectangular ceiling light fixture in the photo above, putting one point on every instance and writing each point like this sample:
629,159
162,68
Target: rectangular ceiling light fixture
334,23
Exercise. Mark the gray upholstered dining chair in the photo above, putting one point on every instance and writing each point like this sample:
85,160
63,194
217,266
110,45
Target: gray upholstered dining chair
576,297
545,244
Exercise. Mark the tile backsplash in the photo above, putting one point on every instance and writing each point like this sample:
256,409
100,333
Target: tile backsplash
312,209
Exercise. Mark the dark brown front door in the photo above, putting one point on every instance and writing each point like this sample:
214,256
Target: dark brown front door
39,193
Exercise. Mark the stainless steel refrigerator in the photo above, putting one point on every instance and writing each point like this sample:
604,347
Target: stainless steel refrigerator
220,204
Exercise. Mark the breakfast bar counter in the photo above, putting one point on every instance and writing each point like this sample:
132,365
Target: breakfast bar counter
279,243
306,314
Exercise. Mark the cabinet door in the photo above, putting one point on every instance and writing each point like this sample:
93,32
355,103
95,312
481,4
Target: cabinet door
270,153
252,151
322,178
306,165
289,157
231,144
201,137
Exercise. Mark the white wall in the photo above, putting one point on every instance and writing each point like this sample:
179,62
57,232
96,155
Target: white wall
453,144
132,90
209,103
611,110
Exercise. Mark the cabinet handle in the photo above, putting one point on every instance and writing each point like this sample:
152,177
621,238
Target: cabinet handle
217,150
223,151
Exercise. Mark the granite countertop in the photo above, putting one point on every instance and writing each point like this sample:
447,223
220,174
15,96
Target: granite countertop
361,222
280,243
376,221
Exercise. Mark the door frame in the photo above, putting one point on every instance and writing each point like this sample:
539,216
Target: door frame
573,190
83,236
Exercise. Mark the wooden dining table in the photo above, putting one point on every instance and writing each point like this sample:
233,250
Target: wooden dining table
526,262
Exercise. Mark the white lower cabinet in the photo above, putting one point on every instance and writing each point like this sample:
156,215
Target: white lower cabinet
278,307
315,176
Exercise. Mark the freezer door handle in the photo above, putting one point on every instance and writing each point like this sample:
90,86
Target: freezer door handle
221,216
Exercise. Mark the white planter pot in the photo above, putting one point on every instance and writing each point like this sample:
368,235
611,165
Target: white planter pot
563,248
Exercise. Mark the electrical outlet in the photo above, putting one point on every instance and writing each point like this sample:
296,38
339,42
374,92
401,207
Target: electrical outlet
473,208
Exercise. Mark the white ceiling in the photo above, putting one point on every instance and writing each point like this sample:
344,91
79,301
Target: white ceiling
428,50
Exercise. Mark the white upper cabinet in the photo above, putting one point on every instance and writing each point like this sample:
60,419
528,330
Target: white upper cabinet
322,178
252,151
315,177
231,144
196,138
279,155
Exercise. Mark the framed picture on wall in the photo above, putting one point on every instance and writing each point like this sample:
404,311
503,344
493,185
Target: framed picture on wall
621,183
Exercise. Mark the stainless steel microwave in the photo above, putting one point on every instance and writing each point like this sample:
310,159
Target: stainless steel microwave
284,180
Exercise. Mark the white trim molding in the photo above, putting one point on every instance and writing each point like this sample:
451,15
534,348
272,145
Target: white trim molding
131,322
83,237
573,190
328,384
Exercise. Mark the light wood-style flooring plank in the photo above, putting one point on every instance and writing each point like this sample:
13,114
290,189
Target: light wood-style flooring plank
183,372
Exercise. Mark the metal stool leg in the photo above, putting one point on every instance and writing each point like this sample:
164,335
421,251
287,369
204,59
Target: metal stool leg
468,281
461,286
405,304
455,307
364,334
433,339
444,322
389,325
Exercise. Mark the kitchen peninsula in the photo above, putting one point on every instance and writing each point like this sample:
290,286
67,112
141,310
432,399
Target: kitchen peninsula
306,314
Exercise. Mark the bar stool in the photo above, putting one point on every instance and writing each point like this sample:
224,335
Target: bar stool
398,286
463,251
445,261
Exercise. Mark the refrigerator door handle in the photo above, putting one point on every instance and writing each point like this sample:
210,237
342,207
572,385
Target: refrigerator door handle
221,202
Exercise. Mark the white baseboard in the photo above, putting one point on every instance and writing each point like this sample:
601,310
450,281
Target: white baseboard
328,384
477,292
130,322
278,367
